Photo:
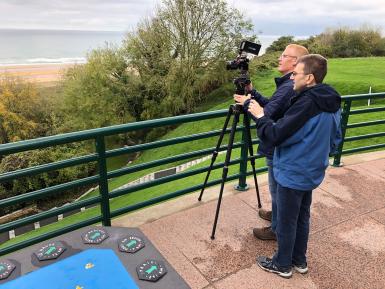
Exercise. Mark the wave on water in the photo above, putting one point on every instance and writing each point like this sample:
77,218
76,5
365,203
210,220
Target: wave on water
57,60
43,60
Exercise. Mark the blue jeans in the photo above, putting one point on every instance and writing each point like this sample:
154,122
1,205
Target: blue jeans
273,193
293,219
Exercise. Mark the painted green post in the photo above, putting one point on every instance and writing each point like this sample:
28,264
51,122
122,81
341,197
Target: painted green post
103,182
344,125
242,185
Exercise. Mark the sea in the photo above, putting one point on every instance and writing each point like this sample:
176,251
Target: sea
26,47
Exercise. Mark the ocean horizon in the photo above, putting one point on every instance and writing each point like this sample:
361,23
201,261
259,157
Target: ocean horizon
33,47
26,47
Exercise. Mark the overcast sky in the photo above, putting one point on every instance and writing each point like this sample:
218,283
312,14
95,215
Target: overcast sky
270,17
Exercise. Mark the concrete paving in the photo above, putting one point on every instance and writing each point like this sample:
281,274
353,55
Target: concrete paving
347,237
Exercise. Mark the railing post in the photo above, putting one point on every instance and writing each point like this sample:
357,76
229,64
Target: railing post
344,124
242,185
103,182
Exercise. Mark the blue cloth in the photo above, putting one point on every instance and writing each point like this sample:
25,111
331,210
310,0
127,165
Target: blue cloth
104,270
304,137
273,107
293,221
273,192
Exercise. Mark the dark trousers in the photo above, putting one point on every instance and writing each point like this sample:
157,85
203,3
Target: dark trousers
293,220
273,193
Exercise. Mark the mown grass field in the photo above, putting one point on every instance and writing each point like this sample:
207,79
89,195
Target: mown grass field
348,76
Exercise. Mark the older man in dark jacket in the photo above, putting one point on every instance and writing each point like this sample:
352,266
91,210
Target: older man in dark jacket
303,139
274,108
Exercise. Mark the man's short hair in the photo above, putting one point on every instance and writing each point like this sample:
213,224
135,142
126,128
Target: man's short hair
314,64
299,49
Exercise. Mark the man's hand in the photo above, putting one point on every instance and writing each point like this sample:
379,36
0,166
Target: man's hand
240,99
255,109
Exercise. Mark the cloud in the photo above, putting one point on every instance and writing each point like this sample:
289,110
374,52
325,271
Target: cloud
78,15
310,17
279,17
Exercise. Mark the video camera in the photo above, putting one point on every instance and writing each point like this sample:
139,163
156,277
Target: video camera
242,63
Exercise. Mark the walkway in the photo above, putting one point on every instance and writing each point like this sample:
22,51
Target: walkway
346,247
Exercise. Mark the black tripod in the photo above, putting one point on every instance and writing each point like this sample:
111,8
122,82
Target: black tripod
235,110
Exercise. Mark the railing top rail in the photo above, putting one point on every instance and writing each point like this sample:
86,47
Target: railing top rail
43,142
363,96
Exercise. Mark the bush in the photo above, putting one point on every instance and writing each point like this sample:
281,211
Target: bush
280,44
338,42
347,42
24,113
264,62
27,184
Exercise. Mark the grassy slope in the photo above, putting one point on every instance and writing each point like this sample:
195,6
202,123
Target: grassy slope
348,76
356,75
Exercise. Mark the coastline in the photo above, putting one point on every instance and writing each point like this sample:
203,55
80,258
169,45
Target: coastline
44,73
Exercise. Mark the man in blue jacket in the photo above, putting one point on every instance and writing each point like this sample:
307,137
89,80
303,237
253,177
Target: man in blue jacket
274,108
303,139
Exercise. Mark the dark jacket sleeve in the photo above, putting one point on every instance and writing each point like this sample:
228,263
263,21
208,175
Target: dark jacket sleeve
295,118
262,101
279,101
274,107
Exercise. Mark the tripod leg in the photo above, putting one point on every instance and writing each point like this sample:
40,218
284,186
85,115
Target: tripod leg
216,151
246,122
225,168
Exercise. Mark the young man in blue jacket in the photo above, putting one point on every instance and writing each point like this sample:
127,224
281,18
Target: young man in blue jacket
303,139
274,108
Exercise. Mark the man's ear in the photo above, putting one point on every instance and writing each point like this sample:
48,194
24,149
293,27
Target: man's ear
310,79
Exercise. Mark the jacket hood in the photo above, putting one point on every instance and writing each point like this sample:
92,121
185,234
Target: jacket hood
325,96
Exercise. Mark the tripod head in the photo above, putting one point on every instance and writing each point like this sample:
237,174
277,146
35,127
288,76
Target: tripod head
241,82
236,108
242,62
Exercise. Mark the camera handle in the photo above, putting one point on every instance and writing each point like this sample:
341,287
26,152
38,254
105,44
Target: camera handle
235,110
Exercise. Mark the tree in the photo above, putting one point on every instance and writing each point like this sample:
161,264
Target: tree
347,42
96,93
20,111
280,44
179,54
165,67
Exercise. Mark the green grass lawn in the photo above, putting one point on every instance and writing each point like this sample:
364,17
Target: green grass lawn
348,76
357,75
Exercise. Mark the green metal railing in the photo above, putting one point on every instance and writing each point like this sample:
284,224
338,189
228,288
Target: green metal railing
98,136
100,156
345,125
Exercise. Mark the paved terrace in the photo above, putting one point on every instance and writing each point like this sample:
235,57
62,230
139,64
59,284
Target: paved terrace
346,247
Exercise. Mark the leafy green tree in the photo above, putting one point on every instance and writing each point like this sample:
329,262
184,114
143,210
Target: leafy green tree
95,94
338,42
347,42
280,44
165,67
179,54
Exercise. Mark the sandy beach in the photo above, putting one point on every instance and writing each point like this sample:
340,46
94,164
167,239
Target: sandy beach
37,73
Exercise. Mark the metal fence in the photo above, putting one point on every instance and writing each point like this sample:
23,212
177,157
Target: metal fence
345,125
98,136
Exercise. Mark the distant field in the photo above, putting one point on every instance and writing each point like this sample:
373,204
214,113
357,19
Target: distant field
357,75
348,76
